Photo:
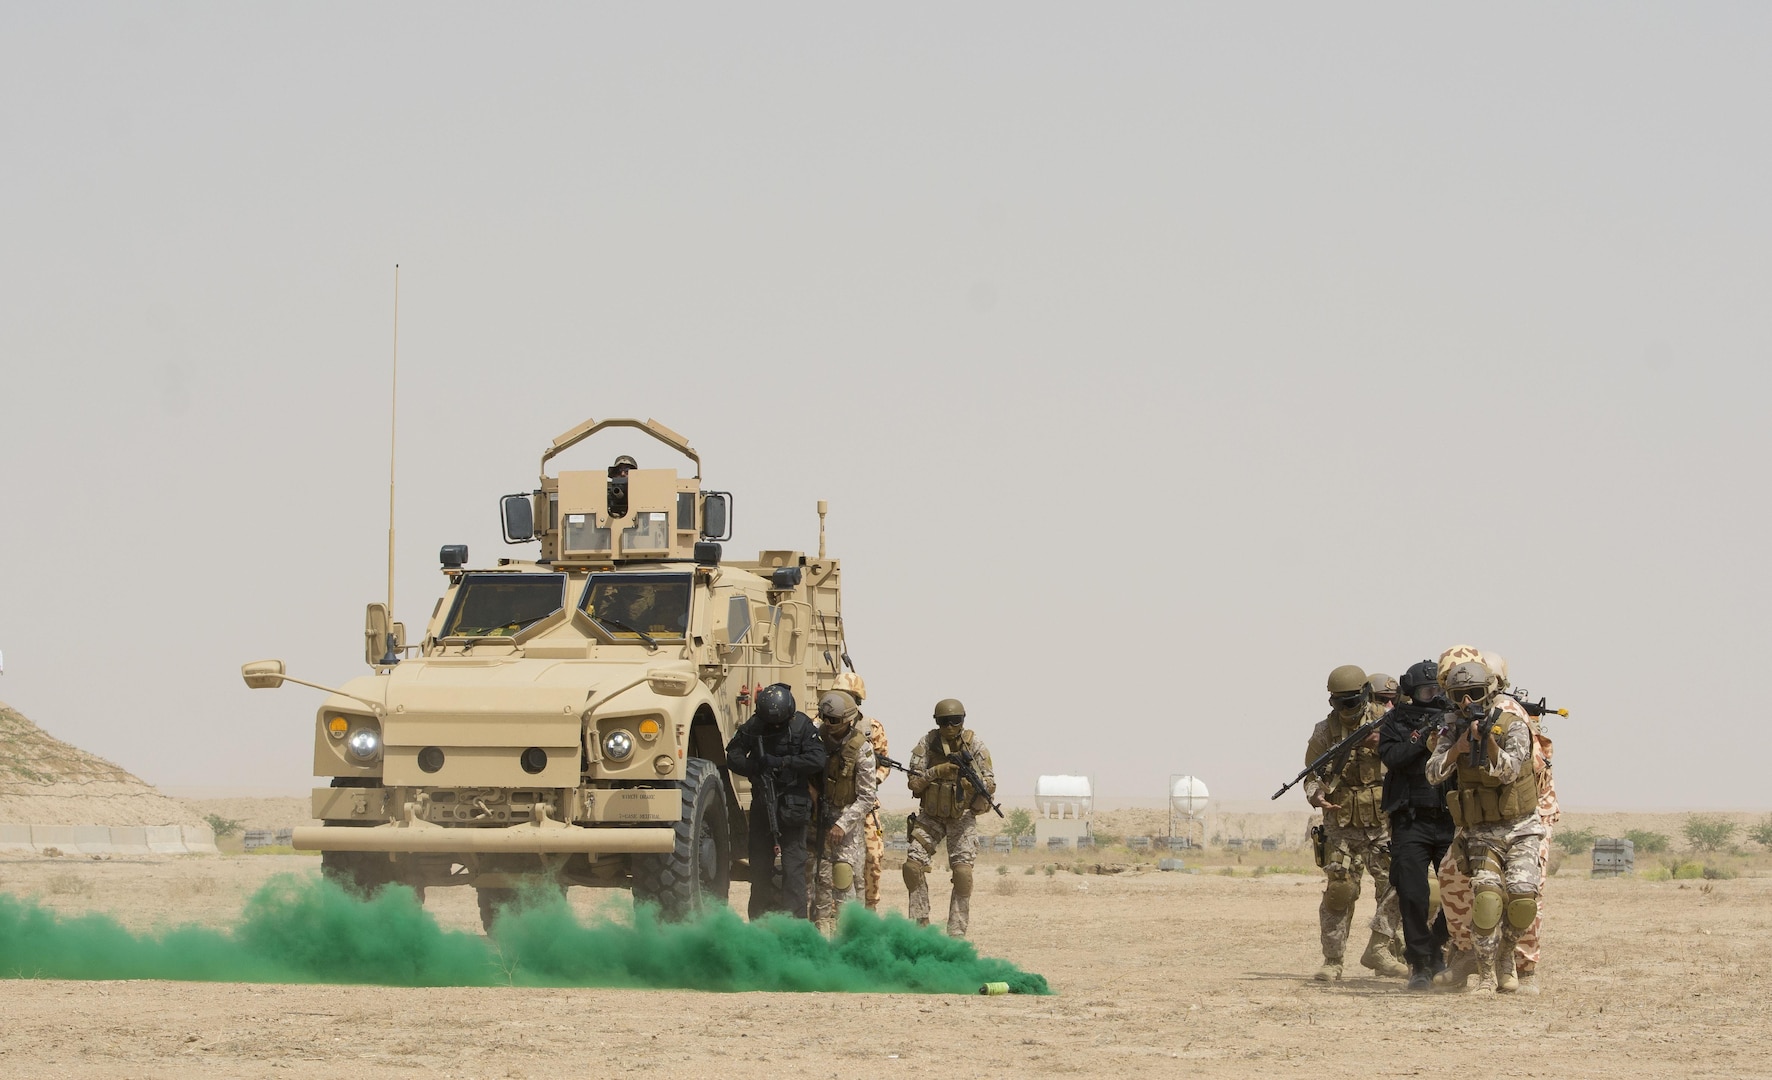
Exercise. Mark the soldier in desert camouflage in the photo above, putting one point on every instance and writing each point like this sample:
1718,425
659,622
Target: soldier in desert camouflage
1356,832
1455,884
947,812
1495,805
845,802
852,684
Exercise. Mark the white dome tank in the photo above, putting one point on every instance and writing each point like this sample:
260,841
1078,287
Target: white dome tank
1187,795
1064,796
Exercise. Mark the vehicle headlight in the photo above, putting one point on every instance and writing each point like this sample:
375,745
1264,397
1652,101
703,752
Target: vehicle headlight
618,745
365,743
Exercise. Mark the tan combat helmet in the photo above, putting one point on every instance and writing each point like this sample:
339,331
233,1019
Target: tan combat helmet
950,713
1383,687
850,683
1497,669
1454,656
837,708
1469,681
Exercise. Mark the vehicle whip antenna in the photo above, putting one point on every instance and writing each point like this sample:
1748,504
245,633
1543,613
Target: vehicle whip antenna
823,508
393,416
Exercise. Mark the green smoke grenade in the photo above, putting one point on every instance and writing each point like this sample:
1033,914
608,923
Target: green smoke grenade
299,929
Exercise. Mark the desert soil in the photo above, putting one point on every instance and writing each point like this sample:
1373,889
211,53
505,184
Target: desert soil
1157,974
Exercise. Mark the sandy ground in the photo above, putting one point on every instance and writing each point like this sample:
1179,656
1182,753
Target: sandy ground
1157,974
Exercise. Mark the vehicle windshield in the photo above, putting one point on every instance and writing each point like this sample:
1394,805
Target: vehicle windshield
499,605
639,606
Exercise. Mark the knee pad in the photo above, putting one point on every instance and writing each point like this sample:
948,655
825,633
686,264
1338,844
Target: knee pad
1341,892
963,879
913,876
1486,909
842,875
1433,891
1521,910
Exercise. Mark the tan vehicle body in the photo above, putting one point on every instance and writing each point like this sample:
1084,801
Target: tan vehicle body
498,752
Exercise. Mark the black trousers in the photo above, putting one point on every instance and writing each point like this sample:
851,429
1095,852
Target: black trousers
1419,839
768,892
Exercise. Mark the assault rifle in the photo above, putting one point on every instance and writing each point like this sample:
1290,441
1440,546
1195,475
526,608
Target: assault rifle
1537,708
1331,760
1459,721
963,759
766,782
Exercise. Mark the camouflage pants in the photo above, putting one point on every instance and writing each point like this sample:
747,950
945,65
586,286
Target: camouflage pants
1456,898
876,846
828,897
1352,852
961,835
1504,857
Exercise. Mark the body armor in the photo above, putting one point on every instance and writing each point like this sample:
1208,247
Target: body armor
1481,799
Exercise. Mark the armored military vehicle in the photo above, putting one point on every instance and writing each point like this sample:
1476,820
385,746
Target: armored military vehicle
564,719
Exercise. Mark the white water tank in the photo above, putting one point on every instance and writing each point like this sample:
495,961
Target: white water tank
1064,796
1187,795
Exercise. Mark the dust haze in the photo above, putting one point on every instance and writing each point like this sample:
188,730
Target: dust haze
1153,361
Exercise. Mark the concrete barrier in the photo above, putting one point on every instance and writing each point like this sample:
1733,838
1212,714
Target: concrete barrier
108,839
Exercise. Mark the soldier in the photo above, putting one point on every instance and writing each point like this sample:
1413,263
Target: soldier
1384,690
1356,837
845,802
1455,885
780,751
1421,826
948,811
851,684
1495,805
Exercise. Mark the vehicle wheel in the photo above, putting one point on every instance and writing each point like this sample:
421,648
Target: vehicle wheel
698,874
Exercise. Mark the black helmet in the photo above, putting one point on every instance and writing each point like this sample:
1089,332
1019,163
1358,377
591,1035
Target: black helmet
1420,685
775,705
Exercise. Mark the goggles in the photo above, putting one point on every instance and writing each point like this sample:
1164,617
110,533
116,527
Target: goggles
951,721
1346,701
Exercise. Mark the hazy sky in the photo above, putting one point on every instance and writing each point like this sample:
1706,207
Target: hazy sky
1154,359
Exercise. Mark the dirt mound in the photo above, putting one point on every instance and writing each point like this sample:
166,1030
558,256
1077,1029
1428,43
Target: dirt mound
44,781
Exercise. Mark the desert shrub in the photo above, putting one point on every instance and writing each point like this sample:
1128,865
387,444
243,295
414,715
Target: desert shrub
1007,886
1228,871
1688,871
1656,873
891,822
1717,873
67,883
222,826
1646,842
1761,834
1707,832
1029,872
1019,824
1051,869
1108,840
1002,869
1575,841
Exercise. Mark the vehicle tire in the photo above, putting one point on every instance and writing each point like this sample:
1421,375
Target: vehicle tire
698,873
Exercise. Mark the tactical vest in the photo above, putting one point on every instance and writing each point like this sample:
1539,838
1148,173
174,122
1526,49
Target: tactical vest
839,767
1481,799
948,798
1359,788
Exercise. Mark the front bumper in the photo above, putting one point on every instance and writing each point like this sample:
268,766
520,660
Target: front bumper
528,838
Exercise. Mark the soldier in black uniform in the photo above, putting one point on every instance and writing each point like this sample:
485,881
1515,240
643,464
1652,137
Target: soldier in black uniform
778,748
1421,827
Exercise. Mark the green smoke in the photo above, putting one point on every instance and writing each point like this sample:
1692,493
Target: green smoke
305,929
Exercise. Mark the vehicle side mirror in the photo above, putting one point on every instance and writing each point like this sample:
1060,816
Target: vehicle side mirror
380,647
519,518
263,674
716,516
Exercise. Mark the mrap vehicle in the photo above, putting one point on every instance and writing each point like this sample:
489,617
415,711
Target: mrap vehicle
565,719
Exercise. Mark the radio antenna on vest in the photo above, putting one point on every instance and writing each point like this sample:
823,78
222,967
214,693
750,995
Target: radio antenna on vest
393,416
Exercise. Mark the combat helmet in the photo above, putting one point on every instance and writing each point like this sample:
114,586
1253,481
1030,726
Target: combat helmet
1470,682
1497,669
1420,685
1348,691
1454,656
851,683
775,705
837,708
949,711
1383,687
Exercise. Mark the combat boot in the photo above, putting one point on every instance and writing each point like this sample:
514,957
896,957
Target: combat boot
1458,970
1378,957
1330,971
1485,974
1419,979
1506,982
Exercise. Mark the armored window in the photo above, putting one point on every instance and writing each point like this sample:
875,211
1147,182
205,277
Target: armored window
647,530
685,511
499,605
582,534
738,619
628,605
